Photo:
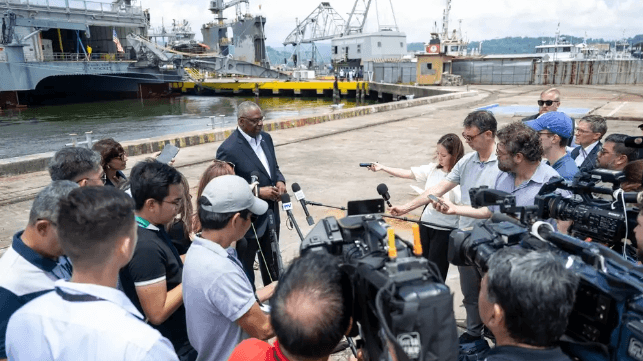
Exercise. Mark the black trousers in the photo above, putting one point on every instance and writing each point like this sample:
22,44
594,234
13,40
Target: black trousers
435,245
247,249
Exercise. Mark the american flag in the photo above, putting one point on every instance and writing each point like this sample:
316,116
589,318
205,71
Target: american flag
119,48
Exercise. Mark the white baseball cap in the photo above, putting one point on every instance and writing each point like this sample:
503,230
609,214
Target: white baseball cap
230,193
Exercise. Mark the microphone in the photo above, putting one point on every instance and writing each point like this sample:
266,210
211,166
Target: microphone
287,206
634,142
254,183
382,189
299,194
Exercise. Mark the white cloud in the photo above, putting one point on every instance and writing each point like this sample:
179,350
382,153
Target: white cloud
480,19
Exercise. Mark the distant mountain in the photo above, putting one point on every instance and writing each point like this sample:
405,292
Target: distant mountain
522,45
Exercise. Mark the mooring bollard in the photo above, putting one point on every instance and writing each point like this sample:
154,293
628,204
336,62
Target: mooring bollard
87,143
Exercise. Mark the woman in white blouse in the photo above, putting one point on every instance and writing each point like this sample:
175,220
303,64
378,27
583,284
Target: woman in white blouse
435,239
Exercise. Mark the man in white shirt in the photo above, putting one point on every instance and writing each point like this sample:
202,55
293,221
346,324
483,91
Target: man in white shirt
87,318
590,130
251,150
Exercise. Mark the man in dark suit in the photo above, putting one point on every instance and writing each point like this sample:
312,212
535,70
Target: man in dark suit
250,149
589,132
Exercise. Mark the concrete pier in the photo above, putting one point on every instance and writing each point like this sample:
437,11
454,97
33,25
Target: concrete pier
324,157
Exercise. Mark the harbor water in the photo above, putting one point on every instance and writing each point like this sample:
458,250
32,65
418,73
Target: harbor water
44,129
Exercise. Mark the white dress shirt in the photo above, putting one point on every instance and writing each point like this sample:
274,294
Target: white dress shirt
84,322
583,153
255,144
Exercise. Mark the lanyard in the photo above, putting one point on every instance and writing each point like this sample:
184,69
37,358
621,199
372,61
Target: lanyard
72,297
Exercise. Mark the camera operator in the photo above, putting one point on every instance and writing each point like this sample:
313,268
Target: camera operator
475,169
310,313
523,174
614,155
526,298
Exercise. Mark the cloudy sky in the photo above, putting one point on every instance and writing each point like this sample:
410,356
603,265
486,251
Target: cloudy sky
481,20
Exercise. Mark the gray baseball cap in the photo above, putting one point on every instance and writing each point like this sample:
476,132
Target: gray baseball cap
231,193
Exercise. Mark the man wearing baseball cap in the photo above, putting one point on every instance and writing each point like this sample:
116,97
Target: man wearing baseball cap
555,129
219,301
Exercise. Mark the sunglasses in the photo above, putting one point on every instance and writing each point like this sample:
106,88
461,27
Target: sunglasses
547,102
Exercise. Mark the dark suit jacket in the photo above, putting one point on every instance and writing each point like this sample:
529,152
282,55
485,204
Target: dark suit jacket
590,162
237,150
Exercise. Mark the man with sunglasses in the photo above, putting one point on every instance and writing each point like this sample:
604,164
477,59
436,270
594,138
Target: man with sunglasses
251,149
35,259
219,299
549,102
152,279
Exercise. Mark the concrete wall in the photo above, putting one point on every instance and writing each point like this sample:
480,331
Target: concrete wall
393,73
525,71
494,71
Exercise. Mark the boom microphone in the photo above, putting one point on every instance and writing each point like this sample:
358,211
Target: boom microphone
382,189
287,206
299,194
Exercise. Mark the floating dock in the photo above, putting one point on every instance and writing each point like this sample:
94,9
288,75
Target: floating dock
270,87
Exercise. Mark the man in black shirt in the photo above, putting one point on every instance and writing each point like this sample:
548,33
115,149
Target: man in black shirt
152,279
525,300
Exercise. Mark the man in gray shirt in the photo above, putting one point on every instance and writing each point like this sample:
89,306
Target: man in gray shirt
478,168
221,308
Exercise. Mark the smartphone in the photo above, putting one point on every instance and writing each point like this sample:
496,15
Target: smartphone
369,206
167,154
365,164
437,200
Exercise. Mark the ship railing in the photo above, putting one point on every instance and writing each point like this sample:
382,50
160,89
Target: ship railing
82,57
89,6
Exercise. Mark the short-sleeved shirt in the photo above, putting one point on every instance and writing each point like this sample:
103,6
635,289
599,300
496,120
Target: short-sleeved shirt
469,173
431,175
79,321
216,293
25,276
514,353
526,191
566,167
156,259
253,349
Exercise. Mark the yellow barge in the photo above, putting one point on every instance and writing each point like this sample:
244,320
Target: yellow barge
267,87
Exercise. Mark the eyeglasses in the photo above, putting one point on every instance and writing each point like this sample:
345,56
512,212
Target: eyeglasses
176,203
255,120
603,151
102,179
547,102
583,131
469,138
121,156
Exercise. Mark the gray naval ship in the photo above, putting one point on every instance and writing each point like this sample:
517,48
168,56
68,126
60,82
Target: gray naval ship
54,51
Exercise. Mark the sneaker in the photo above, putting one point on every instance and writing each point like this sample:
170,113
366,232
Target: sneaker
468,338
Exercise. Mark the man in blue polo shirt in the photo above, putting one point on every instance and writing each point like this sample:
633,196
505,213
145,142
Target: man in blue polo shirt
35,260
221,305
555,130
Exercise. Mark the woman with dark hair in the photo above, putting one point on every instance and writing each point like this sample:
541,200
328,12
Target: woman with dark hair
180,228
216,169
113,161
633,173
435,239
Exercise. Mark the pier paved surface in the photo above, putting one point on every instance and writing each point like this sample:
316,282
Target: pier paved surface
324,158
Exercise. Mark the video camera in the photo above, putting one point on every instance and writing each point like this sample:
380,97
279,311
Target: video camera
606,322
400,303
